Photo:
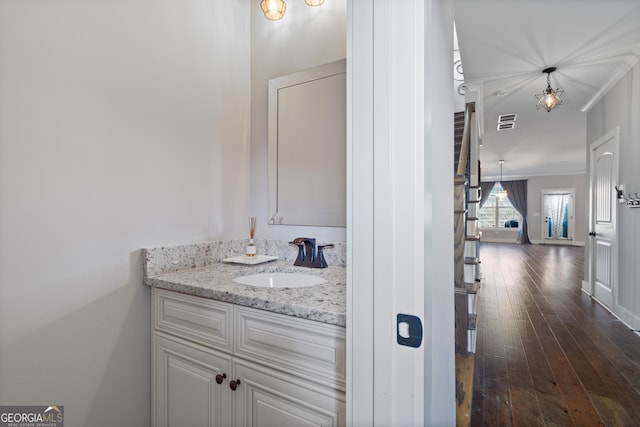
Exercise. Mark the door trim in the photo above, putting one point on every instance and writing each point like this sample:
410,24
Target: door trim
399,211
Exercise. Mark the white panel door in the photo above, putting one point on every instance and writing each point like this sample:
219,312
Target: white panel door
603,253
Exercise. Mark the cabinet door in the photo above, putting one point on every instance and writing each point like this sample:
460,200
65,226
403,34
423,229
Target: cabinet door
269,398
185,391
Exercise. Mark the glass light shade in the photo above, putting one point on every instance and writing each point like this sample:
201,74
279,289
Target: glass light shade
314,2
551,100
273,9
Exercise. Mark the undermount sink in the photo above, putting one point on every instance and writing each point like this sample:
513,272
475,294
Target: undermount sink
280,280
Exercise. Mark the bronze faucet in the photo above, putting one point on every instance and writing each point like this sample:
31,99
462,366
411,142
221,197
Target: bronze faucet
310,254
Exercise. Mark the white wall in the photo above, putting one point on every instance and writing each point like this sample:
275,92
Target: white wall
438,303
122,125
621,107
305,37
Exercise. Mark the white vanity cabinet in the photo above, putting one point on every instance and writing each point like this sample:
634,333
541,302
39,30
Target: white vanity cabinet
284,371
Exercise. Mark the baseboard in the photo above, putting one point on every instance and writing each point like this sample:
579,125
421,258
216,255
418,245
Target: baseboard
627,317
534,242
622,314
586,288
559,242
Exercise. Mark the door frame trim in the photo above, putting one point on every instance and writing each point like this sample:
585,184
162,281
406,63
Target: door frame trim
572,214
400,211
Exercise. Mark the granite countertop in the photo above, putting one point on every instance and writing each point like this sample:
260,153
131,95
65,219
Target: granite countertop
322,303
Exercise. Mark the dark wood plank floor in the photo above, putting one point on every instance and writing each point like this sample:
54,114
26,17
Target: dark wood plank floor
547,354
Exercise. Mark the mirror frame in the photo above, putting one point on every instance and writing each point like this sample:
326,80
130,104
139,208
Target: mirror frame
275,86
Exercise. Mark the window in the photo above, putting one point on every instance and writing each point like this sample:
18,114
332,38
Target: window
498,212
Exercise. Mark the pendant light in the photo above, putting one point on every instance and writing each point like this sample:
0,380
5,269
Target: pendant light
273,9
501,194
549,98
314,2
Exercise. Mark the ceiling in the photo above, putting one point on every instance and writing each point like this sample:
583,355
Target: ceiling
505,45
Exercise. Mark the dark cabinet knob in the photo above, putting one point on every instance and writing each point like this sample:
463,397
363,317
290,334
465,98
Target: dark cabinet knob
220,378
234,384
592,233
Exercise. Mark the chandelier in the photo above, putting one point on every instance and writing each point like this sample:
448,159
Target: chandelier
549,98
274,9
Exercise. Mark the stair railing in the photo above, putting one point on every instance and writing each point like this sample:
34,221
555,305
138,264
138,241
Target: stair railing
466,138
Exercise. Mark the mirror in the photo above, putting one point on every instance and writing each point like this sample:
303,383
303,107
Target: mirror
307,147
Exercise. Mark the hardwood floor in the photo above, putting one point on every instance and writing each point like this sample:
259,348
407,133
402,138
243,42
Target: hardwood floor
547,354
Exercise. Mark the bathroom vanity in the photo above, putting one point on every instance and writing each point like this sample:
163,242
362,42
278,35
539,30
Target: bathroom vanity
226,353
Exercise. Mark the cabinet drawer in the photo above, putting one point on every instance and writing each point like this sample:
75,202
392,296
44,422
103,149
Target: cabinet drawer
202,320
297,346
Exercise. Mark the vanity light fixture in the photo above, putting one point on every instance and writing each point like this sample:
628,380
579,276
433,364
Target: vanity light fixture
314,2
549,98
273,9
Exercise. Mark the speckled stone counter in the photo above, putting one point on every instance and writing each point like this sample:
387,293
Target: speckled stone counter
198,270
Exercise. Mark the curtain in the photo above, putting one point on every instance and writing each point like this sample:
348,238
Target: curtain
557,207
517,194
565,222
485,190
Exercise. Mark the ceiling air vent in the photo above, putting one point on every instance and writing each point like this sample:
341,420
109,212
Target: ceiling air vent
507,121
511,117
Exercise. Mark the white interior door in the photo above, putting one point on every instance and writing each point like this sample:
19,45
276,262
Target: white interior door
603,213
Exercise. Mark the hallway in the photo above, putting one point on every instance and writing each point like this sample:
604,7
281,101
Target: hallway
546,353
